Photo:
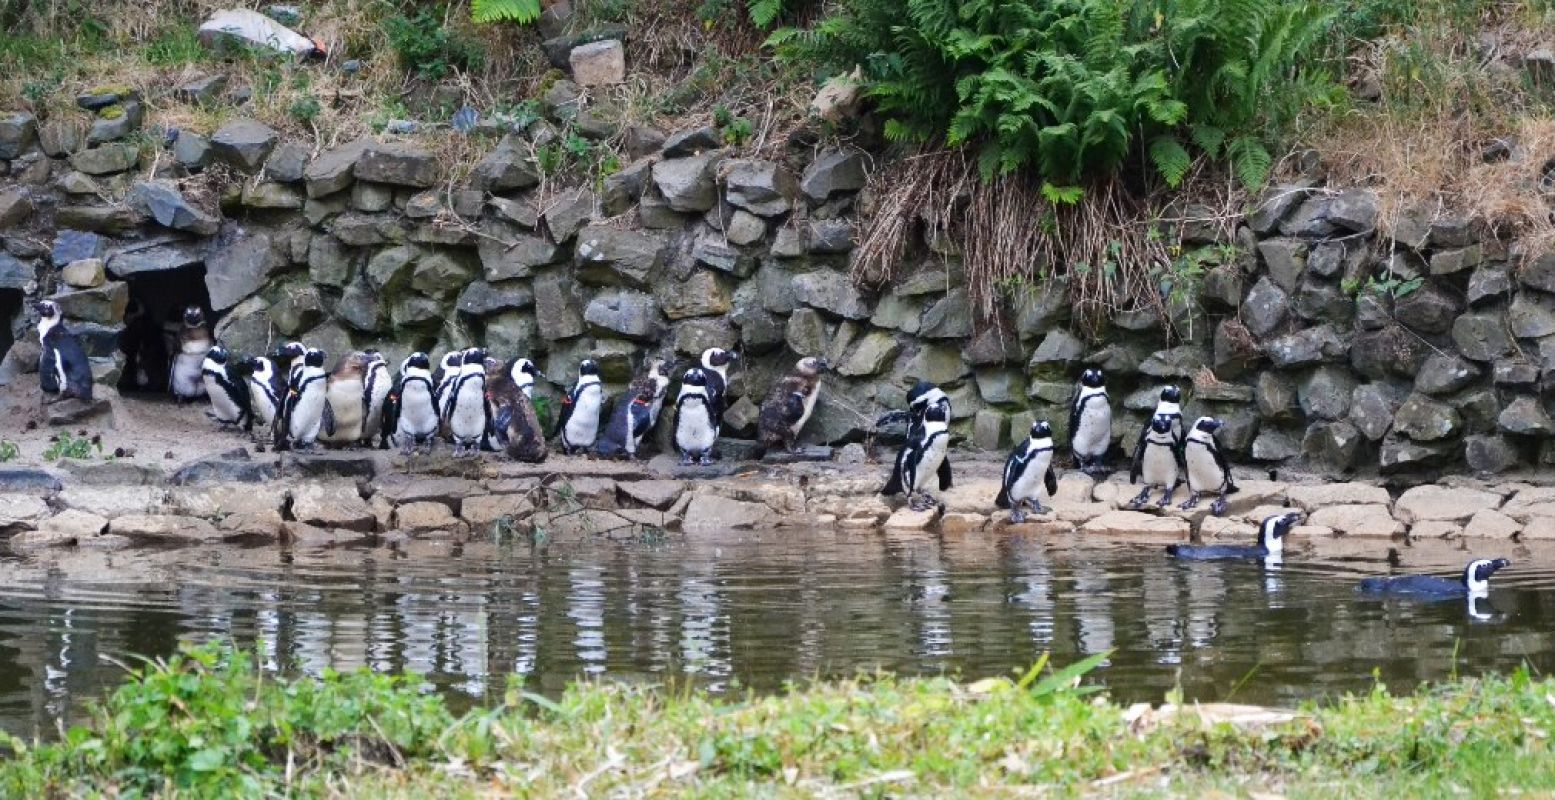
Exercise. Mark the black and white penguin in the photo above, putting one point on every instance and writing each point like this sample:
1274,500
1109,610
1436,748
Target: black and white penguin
411,410
466,413
288,362
524,373
63,368
1157,460
1090,422
581,409
1270,547
1206,466
375,392
266,389
444,376
514,425
1027,472
1473,582
1170,406
696,427
631,421
716,362
187,380
659,378
921,458
789,404
306,401
227,389
344,409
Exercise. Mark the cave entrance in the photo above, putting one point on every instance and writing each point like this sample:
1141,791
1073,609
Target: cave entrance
152,322
10,318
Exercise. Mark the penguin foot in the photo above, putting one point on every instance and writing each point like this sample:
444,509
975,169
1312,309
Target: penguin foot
1218,508
1141,499
706,460
685,460
1166,499
1017,516
1193,500
1038,508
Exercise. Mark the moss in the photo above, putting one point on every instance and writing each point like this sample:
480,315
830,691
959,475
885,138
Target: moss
114,111
120,90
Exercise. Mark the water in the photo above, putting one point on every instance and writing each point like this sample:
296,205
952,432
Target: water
748,610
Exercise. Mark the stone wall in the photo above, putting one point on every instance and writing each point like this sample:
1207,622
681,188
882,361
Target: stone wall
1321,345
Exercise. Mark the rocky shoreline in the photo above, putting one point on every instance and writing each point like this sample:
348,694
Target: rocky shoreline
373,497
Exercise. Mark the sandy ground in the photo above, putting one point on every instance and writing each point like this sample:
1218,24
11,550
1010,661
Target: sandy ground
156,429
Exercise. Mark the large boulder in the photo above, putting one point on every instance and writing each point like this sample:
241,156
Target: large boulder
238,269
949,318
106,159
613,257
1481,336
701,294
1428,309
507,253
481,298
1531,315
244,143
1326,393
1445,373
763,188
556,306
633,315
335,169
1423,419
1311,346
832,292
1490,283
1526,416
441,274
601,63
688,184
834,171
164,203
18,134
1286,261
1263,312
398,164
103,304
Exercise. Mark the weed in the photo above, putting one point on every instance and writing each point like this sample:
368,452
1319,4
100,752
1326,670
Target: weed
426,47
176,47
66,446
305,108
9,451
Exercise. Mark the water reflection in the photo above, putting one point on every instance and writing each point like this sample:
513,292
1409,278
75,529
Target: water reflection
755,610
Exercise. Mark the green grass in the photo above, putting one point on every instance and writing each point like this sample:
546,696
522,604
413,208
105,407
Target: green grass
207,724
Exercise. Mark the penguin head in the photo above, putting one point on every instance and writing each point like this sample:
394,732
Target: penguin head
374,357
919,393
1171,394
1041,430
451,360
193,317
694,377
314,357
1208,424
937,413
217,354
524,371
813,366
416,361
1476,576
475,356
588,366
291,351
717,357
260,366
1092,378
492,366
1161,424
47,309
1271,533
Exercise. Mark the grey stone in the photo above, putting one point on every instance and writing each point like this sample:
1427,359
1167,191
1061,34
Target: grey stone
1324,302
560,102
104,304
1402,455
1328,259
1423,419
335,169
701,294
412,311
239,269
358,230
996,343
1059,349
1532,315
1310,346
1275,445
711,250
834,171
1428,309
390,269
1451,232
1178,362
59,138
1389,351
1276,203
745,228
949,318
360,306
507,253
1445,373
165,204
601,63
296,308
1313,218
18,134
155,255
1525,416
398,164
806,332
523,212
1538,272
329,261
116,219
441,274
872,354
688,184
1447,262
244,143
611,256
556,307
1489,455
14,274
832,292
1326,393
1263,312
567,212
115,123
633,315
84,274
1354,209
1276,397
621,189
938,364
1481,336
1334,445
1286,261
512,332
1515,374
829,236
106,159
1372,407
789,243
1479,408
372,197
15,206
692,142
1490,282
1221,288
246,328
760,187
481,298
192,150
201,91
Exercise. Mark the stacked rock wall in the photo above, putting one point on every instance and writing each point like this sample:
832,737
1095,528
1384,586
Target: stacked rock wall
1311,334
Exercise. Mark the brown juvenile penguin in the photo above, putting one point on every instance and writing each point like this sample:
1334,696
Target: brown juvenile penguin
788,405
514,424
343,408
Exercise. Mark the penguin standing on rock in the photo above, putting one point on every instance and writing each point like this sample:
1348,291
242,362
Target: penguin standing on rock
523,373
376,386
345,409
1027,471
1090,422
631,421
1206,466
465,412
444,376
306,401
789,405
1157,460
63,369
1170,406
715,365
581,409
921,458
288,362
265,390
194,340
514,425
227,389
920,398
411,409
696,428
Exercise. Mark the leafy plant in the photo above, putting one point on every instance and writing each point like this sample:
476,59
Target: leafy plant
305,108
520,11
738,132
66,446
425,46
9,451
178,46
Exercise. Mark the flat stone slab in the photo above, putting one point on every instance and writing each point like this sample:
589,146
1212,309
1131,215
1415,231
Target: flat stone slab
332,505
29,480
1357,520
1135,523
220,471
1439,503
164,526
1311,498
659,494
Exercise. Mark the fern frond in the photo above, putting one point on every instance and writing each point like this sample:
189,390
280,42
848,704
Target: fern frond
1171,159
520,11
1250,161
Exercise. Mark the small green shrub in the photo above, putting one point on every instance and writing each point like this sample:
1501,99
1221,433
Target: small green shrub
426,47
67,446
175,47
305,109
9,451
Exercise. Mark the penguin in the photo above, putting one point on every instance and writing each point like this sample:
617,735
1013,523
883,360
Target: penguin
581,408
465,412
288,362
1027,469
631,421
410,412
1206,466
444,376
715,365
187,381
1158,460
696,429
227,389
1090,422
514,425
523,373
1270,547
344,410
789,405
919,458
265,389
63,368
1170,406
1474,582
306,401
919,398
375,391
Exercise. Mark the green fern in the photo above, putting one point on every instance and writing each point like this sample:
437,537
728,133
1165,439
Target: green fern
764,12
1250,161
520,11
1171,159
1062,195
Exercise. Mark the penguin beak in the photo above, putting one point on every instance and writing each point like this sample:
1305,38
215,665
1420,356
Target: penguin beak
1499,563
39,307
823,363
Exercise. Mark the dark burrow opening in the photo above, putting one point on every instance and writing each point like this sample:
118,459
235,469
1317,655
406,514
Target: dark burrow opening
11,317
152,323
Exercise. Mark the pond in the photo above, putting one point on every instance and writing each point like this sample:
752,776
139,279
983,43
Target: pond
752,610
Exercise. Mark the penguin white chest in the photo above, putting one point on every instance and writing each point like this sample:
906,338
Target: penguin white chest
1029,484
223,403
1204,475
308,415
187,381
1160,465
418,413
583,426
928,464
261,401
1093,432
809,407
694,427
468,420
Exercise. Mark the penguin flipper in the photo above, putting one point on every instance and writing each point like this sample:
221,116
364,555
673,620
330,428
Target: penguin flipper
894,485
1138,466
1225,469
1050,481
1012,467
329,418
944,473
1075,407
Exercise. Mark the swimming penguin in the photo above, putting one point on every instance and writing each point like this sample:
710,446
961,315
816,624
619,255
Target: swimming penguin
1170,406
227,389
920,458
345,409
514,425
1271,543
63,369
789,405
1028,470
1474,582
715,365
265,390
306,401
919,398
630,421
375,391
1090,422
466,414
411,410
1158,460
696,430
187,381
1206,466
581,409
